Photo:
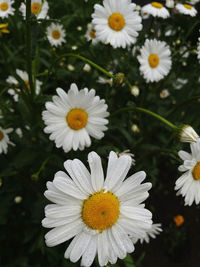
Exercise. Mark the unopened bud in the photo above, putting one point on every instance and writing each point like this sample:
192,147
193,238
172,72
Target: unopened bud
87,68
135,90
118,79
18,199
187,134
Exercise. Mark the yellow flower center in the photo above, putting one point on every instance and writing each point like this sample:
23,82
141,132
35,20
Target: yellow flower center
77,118
35,7
187,6
196,171
153,60
1,135
56,34
179,220
27,85
116,21
100,211
4,6
92,34
156,5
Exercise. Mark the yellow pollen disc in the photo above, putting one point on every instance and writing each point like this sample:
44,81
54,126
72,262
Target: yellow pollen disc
100,211
4,6
187,6
196,171
35,7
1,135
27,85
77,118
156,5
116,21
56,34
153,60
92,34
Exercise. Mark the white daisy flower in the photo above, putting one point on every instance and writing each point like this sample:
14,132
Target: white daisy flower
91,34
116,22
39,8
155,60
152,232
6,8
188,185
186,9
24,76
56,34
4,140
164,93
156,10
75,116
100,214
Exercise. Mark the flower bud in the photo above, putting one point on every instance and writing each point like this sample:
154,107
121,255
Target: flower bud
135,91
87,68
187,134
118,79
170,3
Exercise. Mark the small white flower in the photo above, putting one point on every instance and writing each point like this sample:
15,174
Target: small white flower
155,60
188,185
91,34
4,140
156,10
116,22
164,93
188,134
39,8
100,215
75,116
186,9
24,76
56,34
152,232
6,8
135,91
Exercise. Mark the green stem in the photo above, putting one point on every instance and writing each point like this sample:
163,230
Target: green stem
174,127
28,45
89,62
94,65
